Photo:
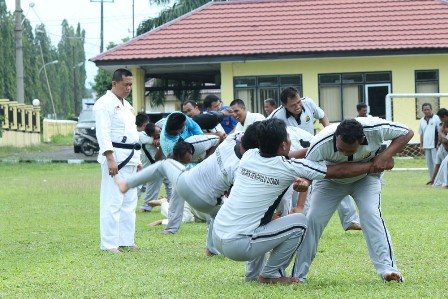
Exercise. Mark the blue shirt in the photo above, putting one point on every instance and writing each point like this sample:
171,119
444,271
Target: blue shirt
167,142
229,122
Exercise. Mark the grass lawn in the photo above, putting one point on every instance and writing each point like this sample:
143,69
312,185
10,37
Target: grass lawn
42,147
49,246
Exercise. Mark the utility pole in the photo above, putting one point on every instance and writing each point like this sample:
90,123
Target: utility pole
19,54
102,21
75,85
133,30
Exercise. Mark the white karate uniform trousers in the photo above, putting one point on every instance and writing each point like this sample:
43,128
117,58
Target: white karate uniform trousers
117,210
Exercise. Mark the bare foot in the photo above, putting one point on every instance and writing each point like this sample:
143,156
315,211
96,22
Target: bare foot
392,276
129,248
208,252
115,250
154,203
354,226
122,185
280,280
155,223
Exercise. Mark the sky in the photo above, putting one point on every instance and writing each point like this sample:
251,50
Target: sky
117,23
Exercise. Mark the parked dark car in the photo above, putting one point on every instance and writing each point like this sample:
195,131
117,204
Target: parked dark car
84,137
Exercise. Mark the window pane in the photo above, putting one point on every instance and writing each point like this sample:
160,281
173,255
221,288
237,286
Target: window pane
268,81
244,82
352,78
427,87
377,77
291,80
329,79
330,102
426,76
263,94
351,95
248,97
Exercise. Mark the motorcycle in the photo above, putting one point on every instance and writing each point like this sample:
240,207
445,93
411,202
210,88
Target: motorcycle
85,141
89,145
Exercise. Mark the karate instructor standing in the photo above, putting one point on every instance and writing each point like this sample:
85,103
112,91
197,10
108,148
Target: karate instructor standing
119,155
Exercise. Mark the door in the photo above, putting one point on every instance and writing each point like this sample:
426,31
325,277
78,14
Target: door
376,98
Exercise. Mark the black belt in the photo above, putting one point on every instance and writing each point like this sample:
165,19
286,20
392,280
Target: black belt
131,146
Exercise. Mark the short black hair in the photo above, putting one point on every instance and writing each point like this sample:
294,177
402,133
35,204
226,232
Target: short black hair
250,139
287,93
120,73
150,129
271,102
360,106
238,102
141,118
193,103
208,100
427,104
442,112
181,148
350,131
175,121
270,134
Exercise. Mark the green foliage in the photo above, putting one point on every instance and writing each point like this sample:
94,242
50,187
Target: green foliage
103,81
62,139
63,78
2,118
177,9
50,246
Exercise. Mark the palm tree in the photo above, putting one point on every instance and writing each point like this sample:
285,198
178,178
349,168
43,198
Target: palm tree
178,8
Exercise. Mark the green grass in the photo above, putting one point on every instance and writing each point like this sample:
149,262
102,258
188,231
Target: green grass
62,139
43,147
410,162
49,246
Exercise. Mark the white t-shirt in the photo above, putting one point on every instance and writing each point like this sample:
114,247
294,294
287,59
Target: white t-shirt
310,112
250,119
441,154
259,185
299,138
201,144
214,176
376,131
429,131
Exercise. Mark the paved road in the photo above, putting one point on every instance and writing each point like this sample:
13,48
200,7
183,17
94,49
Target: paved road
60,153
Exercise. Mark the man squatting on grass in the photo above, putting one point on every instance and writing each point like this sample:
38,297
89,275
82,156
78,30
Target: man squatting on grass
203,185
244,228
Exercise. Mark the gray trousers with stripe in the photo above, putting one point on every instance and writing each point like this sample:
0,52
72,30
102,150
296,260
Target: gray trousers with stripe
283,236
325,198
174,172
171,170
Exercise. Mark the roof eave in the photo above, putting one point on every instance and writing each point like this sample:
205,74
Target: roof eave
272,56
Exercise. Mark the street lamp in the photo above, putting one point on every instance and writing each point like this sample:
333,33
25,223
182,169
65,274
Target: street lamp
48,83
48,63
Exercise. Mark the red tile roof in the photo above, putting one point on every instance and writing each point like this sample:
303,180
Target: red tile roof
255,27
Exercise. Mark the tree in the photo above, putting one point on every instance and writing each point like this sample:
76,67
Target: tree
7,55
178,9
67,75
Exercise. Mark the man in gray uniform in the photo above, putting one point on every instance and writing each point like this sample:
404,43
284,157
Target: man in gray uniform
301,113
354,140
244,229
203,185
